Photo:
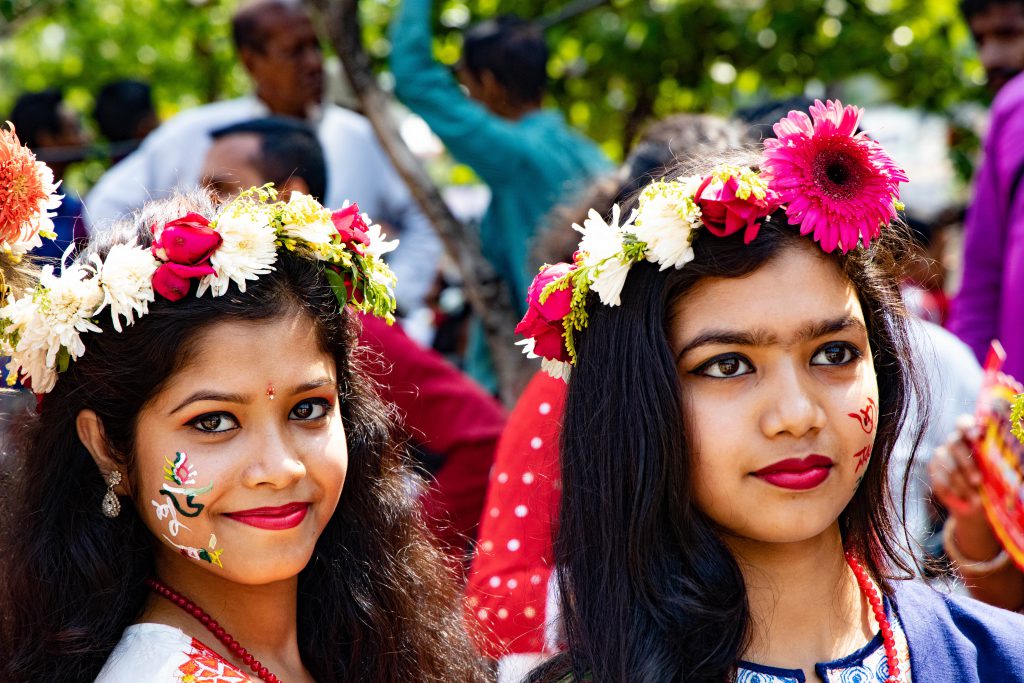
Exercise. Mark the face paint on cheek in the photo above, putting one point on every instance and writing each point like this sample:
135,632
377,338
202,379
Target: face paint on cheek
866,416
862,456
180,477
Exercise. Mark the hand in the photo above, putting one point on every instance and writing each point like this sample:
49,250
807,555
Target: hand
954,475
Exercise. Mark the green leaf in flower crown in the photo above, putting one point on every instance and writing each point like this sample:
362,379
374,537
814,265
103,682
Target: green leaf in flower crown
337,284
63,359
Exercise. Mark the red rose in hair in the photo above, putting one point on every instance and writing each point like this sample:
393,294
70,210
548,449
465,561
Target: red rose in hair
351,226
725,212
185,246
543,321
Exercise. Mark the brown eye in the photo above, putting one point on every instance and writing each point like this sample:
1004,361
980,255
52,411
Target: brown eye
214,422
725,366
311,409
836,353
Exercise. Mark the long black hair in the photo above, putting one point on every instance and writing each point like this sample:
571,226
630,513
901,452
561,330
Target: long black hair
649,591
375,602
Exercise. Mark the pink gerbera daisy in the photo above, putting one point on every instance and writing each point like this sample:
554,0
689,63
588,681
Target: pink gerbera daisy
836,183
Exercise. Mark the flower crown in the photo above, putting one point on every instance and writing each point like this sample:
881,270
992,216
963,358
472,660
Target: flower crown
836,184
28,197
42,329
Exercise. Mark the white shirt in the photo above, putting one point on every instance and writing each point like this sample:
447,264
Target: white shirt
157,653
171,158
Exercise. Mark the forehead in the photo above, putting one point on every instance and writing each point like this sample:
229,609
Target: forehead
282,349
286,23
799,286
233,151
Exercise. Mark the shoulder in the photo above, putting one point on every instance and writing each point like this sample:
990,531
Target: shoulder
202,120
158,653
1010,99
948,633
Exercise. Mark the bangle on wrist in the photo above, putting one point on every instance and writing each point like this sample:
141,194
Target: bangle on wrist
966,566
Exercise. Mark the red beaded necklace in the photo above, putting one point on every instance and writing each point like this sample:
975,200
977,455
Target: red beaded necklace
216,629
867,588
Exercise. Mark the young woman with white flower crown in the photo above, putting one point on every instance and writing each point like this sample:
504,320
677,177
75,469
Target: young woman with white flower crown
738,370
211,490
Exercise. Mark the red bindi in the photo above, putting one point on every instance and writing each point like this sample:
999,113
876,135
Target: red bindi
270,392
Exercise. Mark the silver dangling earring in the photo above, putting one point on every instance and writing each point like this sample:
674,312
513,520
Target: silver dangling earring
111,506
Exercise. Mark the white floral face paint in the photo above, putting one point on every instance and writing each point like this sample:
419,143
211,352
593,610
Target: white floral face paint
179,480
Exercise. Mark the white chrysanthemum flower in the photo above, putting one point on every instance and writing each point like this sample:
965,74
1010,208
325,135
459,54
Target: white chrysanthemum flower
49,318
48,205
126,278
306,220
666,219
556,368
602,251
249,248
378,244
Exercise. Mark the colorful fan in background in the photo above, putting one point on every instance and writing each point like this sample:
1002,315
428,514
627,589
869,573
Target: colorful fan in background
1000,454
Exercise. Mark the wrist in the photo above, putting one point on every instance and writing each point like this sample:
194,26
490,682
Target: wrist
967,559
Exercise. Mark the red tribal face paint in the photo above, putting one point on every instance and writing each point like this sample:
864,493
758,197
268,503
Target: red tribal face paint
866,416
862,456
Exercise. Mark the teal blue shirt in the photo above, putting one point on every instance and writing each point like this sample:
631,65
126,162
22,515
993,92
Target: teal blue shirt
530,164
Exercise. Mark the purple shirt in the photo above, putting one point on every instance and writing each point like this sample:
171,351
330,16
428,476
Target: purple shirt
990,304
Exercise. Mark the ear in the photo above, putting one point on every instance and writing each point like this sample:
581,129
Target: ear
248,57
294,184
93,437
494,91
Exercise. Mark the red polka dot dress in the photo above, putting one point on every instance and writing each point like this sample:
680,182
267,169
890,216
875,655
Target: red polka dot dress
508,582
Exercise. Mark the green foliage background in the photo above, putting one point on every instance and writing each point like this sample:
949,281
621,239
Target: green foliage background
614,66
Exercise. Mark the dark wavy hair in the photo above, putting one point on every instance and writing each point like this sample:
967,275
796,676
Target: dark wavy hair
649,591
375,602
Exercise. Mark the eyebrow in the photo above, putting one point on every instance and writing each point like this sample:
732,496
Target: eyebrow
209,395
811,330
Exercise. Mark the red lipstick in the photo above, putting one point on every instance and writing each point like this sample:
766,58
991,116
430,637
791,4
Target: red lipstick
275,519
797,474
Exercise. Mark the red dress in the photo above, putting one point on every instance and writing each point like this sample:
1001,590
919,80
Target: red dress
508,582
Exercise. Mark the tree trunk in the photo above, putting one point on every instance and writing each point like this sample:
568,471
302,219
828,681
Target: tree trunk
486,293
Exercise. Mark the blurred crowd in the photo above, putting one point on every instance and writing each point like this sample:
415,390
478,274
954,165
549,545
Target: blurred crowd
493,470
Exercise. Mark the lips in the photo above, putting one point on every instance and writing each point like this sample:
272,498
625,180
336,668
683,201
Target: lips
272,518
797,474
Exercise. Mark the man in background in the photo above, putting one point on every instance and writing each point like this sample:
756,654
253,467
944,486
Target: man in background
990,304
527,155
278,46
125,115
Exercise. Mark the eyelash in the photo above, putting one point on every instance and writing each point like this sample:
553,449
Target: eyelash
197,421
853,351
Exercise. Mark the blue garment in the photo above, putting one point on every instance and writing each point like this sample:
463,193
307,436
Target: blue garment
69,227
866,665
957,639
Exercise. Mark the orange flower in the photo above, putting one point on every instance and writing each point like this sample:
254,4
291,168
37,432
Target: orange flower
27,191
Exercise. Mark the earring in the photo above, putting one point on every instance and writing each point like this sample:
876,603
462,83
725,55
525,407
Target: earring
111,506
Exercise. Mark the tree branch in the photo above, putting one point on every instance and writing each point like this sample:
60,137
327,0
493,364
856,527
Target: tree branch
485,291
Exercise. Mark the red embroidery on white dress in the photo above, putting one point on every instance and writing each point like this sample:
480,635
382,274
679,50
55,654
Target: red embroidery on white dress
206,666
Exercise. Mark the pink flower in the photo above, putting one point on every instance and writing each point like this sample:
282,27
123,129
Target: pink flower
172,280
351,226
733,205
836,183
543,321
188,240
185,246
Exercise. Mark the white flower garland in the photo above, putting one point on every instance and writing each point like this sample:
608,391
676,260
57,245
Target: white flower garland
42,329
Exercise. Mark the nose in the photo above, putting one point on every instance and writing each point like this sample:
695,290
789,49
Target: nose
276,462
792,404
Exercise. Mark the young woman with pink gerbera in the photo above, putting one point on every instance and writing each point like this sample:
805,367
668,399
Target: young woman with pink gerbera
735,391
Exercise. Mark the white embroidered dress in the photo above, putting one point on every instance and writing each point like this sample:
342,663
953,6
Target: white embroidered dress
157,653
